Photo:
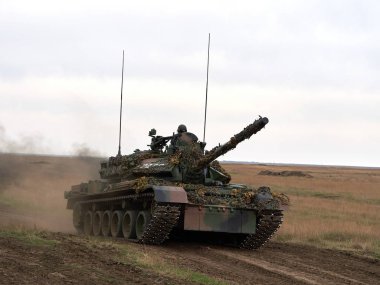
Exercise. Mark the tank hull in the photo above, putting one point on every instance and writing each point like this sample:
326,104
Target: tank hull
159,212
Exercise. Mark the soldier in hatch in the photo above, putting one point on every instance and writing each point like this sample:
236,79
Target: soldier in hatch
183,137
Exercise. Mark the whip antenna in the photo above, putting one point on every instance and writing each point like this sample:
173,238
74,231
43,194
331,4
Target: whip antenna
208,61
121,102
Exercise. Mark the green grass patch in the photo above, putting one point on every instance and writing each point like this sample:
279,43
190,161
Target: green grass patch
28,237
129,255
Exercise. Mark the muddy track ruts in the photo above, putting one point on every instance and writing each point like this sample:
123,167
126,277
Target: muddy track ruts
276,263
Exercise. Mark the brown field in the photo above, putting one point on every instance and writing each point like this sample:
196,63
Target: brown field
336,208
330,235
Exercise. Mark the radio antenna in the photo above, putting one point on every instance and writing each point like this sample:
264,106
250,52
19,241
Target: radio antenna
121,102
208,61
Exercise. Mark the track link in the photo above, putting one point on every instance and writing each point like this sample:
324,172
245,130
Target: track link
164,219
269,223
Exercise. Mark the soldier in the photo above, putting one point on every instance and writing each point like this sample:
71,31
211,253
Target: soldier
183,137
181,129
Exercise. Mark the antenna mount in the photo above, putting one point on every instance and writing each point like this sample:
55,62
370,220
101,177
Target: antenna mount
121,103
208,61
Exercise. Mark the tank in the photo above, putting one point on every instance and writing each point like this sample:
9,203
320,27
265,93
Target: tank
176,189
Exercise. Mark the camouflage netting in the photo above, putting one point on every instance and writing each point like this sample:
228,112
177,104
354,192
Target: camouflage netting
283,198
187,159
212,195
132,160
120,165
206,195
139,185
238,198
175,159
190,154
216,165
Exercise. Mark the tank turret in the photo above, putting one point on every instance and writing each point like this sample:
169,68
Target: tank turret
183,160
195,167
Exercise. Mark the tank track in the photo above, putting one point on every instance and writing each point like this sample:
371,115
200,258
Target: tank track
269,223
164,219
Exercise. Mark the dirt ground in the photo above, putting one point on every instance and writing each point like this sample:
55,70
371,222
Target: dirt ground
31,199
78,260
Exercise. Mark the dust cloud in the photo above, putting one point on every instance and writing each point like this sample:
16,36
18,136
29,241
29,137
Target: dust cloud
32,186
32,189
23,144
83,150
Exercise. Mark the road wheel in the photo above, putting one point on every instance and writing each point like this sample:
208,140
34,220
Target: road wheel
106,223
97,223
116,219
129,224
78,218
142,221
88,218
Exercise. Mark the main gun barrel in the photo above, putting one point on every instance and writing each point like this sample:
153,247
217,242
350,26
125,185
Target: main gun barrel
248,131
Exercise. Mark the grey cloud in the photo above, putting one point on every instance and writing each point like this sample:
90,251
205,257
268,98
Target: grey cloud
286,52
318,48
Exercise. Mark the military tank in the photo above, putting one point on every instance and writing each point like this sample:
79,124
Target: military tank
176,189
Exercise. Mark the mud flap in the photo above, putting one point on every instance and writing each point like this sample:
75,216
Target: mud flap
170,194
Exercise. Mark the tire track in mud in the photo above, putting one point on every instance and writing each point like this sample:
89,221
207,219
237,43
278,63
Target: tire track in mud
204,259
276,264
307,276
343,266
284,271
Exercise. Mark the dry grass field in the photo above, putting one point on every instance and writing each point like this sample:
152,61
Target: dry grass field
335,208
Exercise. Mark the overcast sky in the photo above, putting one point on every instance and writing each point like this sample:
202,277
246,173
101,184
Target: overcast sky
311,67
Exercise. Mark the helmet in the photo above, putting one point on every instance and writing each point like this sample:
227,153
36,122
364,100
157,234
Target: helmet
181,129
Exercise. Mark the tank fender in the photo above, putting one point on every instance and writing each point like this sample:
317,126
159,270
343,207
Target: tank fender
170,194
